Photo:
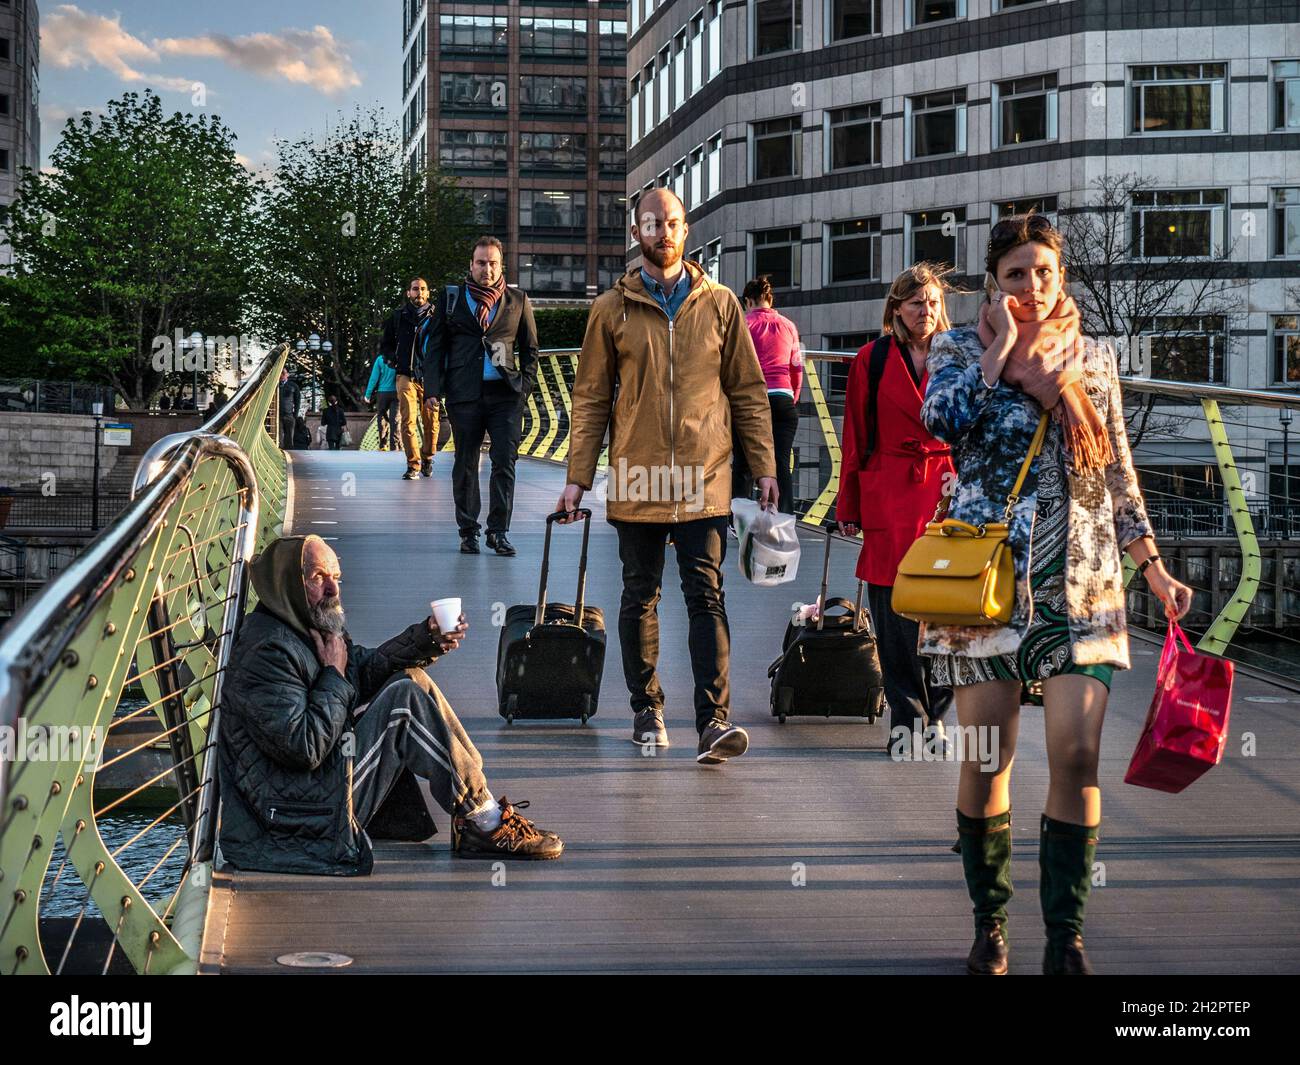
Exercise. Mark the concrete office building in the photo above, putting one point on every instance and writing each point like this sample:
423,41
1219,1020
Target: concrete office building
20,125
830,143
525,103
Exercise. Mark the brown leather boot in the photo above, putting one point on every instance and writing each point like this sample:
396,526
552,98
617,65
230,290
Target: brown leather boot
988,955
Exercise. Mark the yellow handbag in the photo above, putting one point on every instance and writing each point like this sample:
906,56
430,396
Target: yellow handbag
962,574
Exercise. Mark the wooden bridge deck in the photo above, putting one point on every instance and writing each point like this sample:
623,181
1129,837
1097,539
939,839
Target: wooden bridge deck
671,866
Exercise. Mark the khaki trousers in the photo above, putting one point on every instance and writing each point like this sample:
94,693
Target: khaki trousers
410,407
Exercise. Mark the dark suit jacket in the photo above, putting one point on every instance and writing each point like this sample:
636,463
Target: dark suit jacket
453,367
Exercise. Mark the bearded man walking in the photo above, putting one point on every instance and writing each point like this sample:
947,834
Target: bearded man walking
403,346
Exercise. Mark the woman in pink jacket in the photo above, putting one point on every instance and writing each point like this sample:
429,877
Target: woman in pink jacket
776,340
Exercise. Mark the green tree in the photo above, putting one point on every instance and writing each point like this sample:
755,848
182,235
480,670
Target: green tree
343,224
140,228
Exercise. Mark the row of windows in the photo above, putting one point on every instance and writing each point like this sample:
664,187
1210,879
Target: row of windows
475,149
558,37
537,92
679,70
541,274
413,117
414,58
696,177
557,211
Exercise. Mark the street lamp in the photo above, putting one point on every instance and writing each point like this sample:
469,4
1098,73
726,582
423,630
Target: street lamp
1284,416
96,408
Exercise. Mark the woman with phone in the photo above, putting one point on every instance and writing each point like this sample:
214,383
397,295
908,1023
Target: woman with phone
1081,507
892,476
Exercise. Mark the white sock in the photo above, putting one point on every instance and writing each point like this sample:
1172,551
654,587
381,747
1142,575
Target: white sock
488,816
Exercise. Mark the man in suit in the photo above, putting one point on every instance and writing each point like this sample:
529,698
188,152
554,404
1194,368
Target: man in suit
473,363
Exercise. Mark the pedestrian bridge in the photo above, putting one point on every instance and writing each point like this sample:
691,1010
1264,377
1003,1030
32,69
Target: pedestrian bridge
814,852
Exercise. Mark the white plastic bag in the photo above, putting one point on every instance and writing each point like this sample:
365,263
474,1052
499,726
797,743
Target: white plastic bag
768,544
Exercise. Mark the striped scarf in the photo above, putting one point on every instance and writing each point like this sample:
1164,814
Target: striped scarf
486,298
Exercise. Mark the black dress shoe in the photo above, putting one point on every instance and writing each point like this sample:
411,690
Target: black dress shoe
469,545
426,468
499,544
988,954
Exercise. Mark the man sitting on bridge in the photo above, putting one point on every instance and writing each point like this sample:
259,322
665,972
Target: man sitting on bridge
305,764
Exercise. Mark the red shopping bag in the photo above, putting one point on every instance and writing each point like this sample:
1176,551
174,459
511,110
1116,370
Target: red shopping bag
1187,725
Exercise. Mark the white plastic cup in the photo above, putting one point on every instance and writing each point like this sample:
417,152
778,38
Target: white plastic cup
446,613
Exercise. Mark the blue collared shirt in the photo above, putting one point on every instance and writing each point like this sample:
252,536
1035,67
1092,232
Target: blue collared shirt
490,372
672,301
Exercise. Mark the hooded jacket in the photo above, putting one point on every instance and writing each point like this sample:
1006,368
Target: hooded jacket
668,391
282,764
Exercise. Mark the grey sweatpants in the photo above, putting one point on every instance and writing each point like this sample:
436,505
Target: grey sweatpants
410,725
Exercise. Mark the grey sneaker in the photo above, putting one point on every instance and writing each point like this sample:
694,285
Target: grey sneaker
720,741
648,728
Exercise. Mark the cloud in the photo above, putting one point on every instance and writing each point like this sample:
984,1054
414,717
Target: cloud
71,37
307,57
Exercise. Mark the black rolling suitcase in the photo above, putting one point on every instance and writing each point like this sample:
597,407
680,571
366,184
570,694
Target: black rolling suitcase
831,667
547,665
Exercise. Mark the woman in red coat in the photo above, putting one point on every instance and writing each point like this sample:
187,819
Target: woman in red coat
892,476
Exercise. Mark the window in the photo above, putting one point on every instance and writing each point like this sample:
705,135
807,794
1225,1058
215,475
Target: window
679,68
695,178
853,18
697,51
1025,110
662,180
937,124
715,165
1286,94
938,236
1178,98
613,39
1286,350
414,60
778,148
472,92
665,63
472,149
613,154
4,103
541,272
553,37
4,160
490,209
778,27
1178,223
648,82
848,341
552,151
1189,349
611,212
553,210
1044,205
715,35
679,179
473,33
776,252
854,250
1286,222
634,16
4,48
713,258
854,137
553,92
609,268
925,11
634,116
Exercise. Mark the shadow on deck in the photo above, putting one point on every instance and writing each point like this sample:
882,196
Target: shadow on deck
671,866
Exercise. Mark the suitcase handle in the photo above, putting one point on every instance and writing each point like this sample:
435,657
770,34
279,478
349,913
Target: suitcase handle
585,514
821,595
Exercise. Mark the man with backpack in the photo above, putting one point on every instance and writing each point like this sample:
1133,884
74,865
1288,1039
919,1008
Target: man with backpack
403,346
472,362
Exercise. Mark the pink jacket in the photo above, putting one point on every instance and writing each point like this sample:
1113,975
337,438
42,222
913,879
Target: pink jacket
776,340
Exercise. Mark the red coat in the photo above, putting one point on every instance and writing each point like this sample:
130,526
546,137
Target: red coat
895,493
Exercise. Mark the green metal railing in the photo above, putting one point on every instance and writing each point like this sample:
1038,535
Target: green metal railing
110,684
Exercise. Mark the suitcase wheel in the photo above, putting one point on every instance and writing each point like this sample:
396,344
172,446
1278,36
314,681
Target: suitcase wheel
584,717
781,718
512,704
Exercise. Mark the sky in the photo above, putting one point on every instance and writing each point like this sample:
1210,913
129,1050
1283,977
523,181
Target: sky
274,69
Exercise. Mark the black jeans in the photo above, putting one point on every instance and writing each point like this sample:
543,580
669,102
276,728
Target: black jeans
701,547
497,412
386,409
907,674
785,423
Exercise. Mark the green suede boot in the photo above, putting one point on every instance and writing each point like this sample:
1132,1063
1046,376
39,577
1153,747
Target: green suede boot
1065,855
985,844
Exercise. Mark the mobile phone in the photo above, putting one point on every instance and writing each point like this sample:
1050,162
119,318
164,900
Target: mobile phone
990,286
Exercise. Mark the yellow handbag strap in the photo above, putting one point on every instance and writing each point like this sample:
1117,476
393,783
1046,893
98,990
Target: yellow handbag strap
1035,446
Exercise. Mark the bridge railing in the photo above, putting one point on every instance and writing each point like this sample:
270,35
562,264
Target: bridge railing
109,684
1214,465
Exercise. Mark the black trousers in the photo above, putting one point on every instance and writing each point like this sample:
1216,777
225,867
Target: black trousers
785,423
907,674
287,425
701,547
386,408
499,413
